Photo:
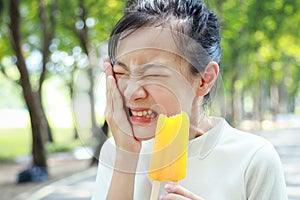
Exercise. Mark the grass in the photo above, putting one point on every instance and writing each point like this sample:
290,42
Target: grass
17,142
14,142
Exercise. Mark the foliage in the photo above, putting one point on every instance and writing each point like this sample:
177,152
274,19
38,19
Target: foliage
261,49
260,42
50,38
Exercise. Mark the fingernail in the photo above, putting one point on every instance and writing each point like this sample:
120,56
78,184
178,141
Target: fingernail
168,187
161,197
111,80
105,65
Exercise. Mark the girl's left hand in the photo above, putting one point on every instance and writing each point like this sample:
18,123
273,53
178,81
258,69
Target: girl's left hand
177,192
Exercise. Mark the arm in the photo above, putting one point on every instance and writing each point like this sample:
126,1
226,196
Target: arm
127,147
105,173
122,183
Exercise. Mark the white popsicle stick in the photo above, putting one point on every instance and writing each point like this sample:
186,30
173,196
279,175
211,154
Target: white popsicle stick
155,190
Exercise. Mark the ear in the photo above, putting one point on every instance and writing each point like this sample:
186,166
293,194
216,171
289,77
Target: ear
208,78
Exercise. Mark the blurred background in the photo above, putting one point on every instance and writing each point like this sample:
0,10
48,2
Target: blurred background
52,90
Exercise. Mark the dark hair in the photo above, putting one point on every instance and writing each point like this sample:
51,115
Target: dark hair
200,27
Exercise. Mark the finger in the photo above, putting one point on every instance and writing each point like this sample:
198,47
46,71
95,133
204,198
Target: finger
172,196
107,59
119,115
177,189
117,98
107,68
109,80
109,99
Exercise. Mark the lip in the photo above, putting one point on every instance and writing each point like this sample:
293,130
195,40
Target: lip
141,120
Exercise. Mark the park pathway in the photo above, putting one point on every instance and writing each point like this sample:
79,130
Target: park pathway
80,186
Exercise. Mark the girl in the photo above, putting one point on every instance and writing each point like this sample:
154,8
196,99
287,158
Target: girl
164,59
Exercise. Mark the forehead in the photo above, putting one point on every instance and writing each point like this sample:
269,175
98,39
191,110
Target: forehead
148,39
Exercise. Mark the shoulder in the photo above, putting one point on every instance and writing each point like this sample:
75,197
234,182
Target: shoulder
250,147
265,158
257,152
264,177
108,151
108,145
245,140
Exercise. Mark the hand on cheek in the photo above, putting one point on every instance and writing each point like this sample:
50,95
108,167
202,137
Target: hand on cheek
116,115
177,192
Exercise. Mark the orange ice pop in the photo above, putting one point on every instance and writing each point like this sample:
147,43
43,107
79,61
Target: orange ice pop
169,155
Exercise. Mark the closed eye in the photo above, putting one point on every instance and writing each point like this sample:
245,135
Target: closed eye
121,75
155,75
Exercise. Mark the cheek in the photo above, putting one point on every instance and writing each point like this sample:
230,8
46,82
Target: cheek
165,98
173,97
121,82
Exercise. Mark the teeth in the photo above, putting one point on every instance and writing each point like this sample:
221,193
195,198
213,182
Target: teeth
146,114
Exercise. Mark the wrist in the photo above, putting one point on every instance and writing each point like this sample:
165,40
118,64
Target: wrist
126,161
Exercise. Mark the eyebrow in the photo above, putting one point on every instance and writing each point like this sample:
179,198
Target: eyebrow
150,65
143,68
121,64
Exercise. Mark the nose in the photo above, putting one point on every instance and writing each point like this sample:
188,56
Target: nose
134,91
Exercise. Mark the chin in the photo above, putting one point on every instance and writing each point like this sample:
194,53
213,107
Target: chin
143,138
144,133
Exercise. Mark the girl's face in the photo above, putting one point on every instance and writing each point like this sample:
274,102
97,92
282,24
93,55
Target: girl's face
152,78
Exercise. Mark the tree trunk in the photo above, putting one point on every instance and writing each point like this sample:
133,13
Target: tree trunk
73,113
101,136
261,102
274,100
256,104
83,38
234,101
47,135
293,94
31,98
39,128
47,34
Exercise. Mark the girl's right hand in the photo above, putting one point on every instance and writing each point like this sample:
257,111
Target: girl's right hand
116,116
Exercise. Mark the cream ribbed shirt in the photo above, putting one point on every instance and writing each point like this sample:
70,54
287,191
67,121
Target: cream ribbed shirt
223,164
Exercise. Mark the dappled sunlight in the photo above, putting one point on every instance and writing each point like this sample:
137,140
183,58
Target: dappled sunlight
61,118
13,118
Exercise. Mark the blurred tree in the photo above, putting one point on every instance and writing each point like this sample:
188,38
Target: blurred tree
39,124
274,57
47,24
70,29
260,56
235,48
1,6
86,25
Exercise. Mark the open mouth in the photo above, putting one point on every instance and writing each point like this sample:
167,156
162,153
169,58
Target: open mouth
145,113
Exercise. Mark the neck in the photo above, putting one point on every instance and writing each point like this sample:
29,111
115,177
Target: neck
199,128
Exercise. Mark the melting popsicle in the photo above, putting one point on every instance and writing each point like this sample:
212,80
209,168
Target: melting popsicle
169,155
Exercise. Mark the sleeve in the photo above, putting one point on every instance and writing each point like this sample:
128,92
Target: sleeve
105,170
264,176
